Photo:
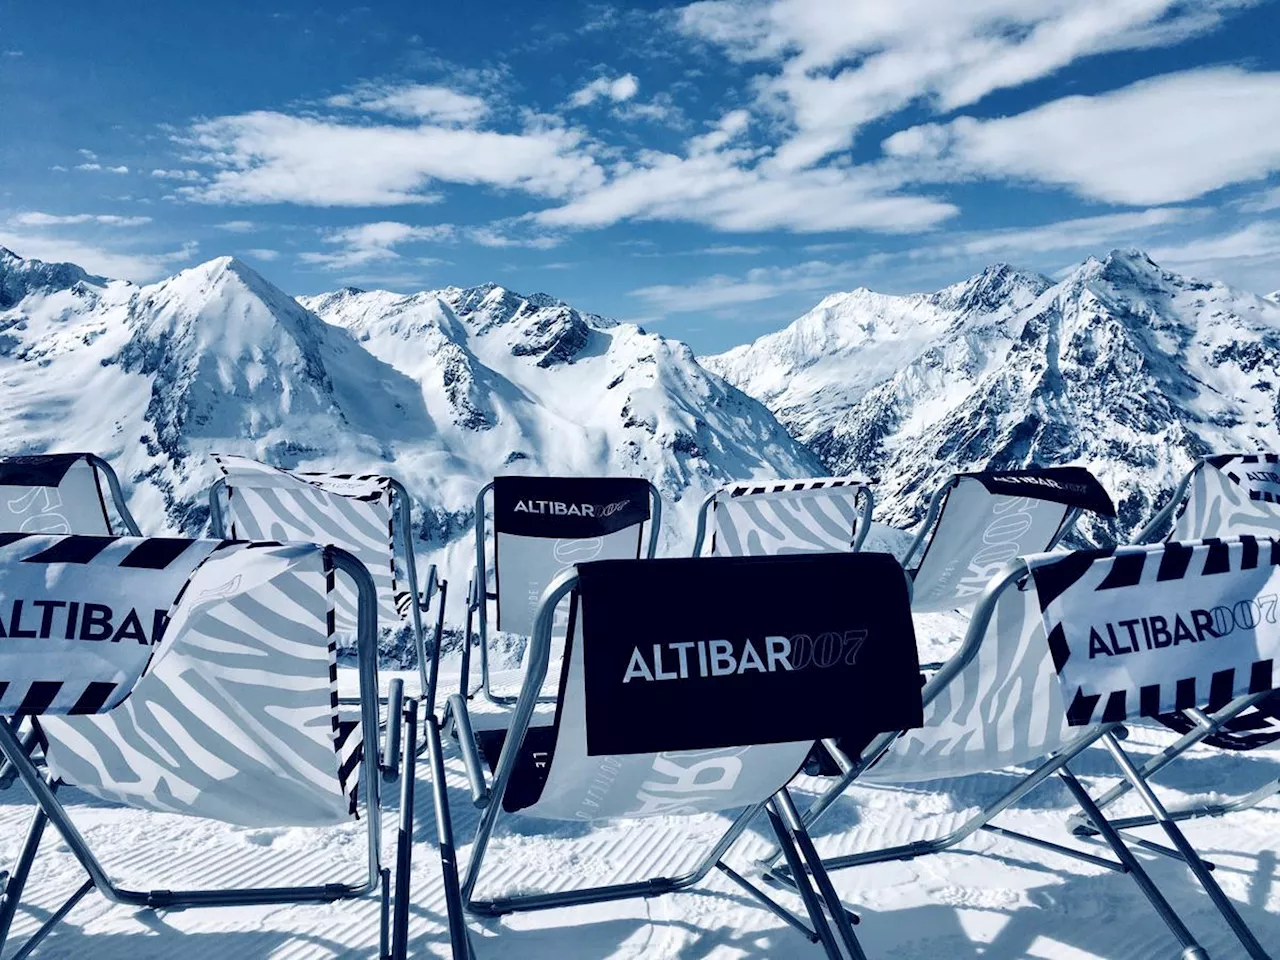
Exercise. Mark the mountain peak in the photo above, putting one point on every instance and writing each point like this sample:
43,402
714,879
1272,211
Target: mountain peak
20,277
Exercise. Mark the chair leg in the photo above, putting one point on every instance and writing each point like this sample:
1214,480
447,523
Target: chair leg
448,854
1132,866
1183,846
17,880
844,923
404,841
811,902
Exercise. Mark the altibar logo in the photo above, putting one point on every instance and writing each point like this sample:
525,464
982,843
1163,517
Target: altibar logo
722,658
1157,632
558,508
73,620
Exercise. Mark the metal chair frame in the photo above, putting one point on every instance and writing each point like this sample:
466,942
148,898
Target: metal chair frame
479,595
791,833
1014,576
393,938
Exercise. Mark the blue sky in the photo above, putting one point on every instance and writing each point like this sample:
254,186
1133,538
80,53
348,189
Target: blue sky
710,170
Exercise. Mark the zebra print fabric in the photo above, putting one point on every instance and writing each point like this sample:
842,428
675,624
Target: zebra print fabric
80,616
779,517
1003,709
236,717
1230,496
345,510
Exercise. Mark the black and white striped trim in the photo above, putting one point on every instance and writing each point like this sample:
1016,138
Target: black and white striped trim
794,486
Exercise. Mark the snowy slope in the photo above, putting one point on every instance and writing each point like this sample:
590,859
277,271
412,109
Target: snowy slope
1122,366
442,390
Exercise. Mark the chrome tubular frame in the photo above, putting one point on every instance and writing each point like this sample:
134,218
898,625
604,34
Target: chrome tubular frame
51,808
790,832
864,495
479,596
420,600
1057,763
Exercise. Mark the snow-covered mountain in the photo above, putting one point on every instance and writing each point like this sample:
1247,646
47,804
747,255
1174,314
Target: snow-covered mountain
1121,366
442,389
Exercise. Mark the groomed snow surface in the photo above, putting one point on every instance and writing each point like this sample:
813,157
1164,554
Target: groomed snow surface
993,898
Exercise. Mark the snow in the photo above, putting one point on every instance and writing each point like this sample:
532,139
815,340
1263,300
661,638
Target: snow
991,897
1122,366
442,389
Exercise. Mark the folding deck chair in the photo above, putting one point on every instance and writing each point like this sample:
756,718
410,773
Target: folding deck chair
773,517
60,493
1228,495
999,702
658,714
195,677
368,515
978,522
541,526
57,493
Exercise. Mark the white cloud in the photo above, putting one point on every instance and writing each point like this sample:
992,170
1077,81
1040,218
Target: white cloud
37,219
731,250
1082,233
87,154
261,253
1255,240
373,242
107,262
721,181
844,65
58,168
617,90
268,157
88,166
120,169
188,175
1262,202
1163,140
237,226
416,101
763,283
498,237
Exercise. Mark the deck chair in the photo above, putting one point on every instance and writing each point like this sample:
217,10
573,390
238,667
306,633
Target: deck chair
216,697
1002,701
367,515
61,493
1223,496
773,517
978,522
541,526
658,714
58,493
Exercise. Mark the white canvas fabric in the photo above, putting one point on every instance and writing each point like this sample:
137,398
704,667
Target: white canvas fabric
1003,709
1229,496
780,517
524,566
1146,630
56,494
976,534
581,787
236,718
347,511
79,616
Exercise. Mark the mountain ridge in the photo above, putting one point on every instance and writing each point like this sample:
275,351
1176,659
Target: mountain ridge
1121,365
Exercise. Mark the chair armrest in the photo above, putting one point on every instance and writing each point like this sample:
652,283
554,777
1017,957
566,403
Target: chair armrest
390,764
470,753
433,585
